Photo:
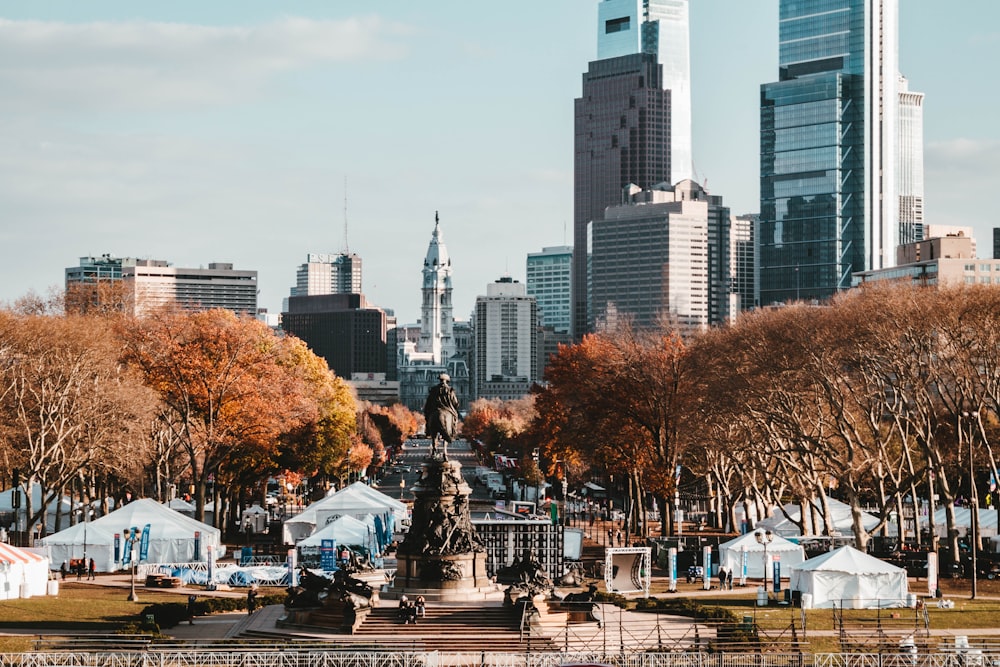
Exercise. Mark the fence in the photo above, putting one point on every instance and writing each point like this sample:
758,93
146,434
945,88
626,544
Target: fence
271,655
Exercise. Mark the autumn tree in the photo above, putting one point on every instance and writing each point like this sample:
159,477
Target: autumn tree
226,381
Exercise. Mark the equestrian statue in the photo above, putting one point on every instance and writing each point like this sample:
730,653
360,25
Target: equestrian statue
441,414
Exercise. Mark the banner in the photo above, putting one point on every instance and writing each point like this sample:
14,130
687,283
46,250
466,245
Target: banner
707,564
777,574
554,511
932,574
144,543
197,545
118,547
672,556
292,560
211,566
744,565
327,556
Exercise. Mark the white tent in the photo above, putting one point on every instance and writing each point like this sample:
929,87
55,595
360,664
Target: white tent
345,530
846,577
357,500
64,507
23,574
731,555
182,506
254,517
171,536
963,520
840,512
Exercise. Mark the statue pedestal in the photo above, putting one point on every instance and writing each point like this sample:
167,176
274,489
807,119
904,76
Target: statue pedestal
442,557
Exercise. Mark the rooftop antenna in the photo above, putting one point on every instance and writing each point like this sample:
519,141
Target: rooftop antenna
347,248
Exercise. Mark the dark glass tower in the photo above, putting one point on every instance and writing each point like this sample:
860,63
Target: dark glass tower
828,148
622,136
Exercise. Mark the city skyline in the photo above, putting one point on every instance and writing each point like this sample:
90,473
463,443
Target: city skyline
202,133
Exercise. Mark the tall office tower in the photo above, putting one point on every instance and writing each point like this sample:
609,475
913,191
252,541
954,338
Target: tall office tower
910,164
151,283
547,279
328,274
829,148
344,329
505,330
743,260
625,119
425,353
996,243
663,256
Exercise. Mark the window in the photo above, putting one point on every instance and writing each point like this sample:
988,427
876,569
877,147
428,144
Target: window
616,25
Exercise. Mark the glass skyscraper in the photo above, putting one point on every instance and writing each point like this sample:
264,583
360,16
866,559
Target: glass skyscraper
633,120
829,148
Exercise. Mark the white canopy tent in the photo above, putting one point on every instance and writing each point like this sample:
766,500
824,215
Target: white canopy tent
357,500
182,506
23,574
345,530
64,507
731,555
843,522
846,577
963,521
171,536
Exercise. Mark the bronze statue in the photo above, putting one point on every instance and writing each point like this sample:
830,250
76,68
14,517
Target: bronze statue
441,414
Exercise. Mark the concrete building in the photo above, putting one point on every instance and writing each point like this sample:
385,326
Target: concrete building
506,341
426,350
344,329
743,258
328,274
152,283
948,260
624,131
548,278
664,256
829,137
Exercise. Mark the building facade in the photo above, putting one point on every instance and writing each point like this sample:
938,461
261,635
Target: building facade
548,276
664,257
506,341
623,125
328,274
153,283
936,261
344,329
829,148
910,164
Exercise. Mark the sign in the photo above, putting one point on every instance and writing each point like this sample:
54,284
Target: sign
744,566
672,559
144,543
776,565
327,556
197,545
211,565
118,547
706,562
291,559
932,574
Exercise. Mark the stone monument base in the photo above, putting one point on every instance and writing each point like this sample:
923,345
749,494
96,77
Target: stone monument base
471,582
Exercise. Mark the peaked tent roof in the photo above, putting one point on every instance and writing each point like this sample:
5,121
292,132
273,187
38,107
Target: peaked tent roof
777,544
345,530
848,560
840,513
11,554
163,522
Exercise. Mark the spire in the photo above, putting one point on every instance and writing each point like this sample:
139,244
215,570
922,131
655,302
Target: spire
437,253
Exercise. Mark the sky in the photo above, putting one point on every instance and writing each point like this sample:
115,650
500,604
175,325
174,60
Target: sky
255,132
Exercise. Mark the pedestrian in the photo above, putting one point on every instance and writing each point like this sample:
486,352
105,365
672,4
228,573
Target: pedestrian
62,570
723,571
611,537
618,538
191,601
92,570
81,565
251,601
729,579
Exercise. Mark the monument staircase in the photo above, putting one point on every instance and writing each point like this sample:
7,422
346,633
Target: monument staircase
444,628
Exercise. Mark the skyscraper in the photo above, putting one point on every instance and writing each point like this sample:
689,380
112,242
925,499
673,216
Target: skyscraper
328,274
910,164
506,339
624,130
829,142
547,278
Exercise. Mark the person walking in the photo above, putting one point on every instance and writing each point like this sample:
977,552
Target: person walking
62,570
92,570
251,601
191,602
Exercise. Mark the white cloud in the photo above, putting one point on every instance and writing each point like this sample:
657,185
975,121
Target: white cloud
47,66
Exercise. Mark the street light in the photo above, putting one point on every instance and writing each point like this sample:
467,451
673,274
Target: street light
973,498
132,532
764,537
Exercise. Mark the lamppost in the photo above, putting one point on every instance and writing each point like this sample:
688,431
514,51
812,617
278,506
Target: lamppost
131,533
764,538
974,500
